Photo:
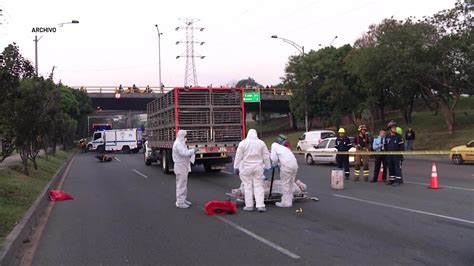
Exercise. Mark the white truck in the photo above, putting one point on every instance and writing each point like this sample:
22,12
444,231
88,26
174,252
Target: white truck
125,140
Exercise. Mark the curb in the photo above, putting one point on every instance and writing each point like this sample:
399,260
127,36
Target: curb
10,252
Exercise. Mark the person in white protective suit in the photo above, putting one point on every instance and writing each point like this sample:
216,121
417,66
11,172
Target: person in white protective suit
251,159
182,158
285,159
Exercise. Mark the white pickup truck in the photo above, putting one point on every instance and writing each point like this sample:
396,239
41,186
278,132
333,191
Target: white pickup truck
125,140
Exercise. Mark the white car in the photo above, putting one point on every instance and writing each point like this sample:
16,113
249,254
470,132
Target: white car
325,145
309,139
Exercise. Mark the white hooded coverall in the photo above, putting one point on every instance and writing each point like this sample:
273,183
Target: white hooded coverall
251,158
283,156
182,158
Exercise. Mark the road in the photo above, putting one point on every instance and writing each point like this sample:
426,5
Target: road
124,214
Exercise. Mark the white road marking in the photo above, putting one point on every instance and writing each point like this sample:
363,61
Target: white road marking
259,238
227,172
117,159
441,186
405,209
138,173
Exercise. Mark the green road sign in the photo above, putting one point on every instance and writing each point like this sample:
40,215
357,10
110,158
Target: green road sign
252,97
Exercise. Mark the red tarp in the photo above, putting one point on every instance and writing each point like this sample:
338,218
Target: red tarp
216,207
57,195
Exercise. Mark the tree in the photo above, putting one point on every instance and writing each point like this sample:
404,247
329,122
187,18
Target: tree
321,78
250,82
16,64
448,69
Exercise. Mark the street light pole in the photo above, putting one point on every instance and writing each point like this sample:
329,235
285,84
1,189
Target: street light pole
159,56
36,40
300,49
36,53
330,44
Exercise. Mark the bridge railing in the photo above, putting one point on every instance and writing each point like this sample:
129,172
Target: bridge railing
156,89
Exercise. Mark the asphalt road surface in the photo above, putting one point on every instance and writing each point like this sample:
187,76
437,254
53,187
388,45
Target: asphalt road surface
124,214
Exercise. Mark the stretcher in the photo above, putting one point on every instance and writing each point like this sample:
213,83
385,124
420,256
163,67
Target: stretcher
272,197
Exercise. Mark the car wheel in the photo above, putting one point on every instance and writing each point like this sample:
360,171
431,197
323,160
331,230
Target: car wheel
101,148
125,149
298,148
457,159
89,147
309,159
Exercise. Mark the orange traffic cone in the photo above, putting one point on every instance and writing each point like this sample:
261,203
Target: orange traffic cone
434,177
380,173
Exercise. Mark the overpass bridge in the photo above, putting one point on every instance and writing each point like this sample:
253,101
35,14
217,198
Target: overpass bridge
274,100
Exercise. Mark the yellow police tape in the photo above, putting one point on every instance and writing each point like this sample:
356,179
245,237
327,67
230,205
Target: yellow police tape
381,152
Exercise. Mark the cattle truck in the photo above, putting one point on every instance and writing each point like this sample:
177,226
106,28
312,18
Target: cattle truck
214,119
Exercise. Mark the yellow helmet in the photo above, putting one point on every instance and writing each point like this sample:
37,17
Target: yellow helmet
341,130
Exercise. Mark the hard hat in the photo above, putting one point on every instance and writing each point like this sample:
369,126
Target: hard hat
341,130
399,131
362,127
282,136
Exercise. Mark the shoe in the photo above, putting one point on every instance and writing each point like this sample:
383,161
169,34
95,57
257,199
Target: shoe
281,205
389,183
261,209
248,209
182,205
356,180
347,178
366,179
373,181
188,202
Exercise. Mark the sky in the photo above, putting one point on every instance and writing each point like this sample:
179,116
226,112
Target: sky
116,42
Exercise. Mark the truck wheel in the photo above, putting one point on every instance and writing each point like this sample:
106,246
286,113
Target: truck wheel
457,159
125,149
101,148
165,162
208,168
147,161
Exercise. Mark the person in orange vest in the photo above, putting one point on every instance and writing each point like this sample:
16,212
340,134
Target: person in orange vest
361,143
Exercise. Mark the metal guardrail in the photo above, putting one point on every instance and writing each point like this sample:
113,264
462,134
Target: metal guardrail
156,89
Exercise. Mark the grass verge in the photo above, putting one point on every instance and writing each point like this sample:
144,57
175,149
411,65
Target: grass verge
18,191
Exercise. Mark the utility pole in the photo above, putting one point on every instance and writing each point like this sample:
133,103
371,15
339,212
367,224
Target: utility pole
300,49
36,40
190,75
159,57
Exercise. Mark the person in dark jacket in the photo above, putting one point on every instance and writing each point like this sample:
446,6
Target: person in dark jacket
394,142
343,143
409,138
